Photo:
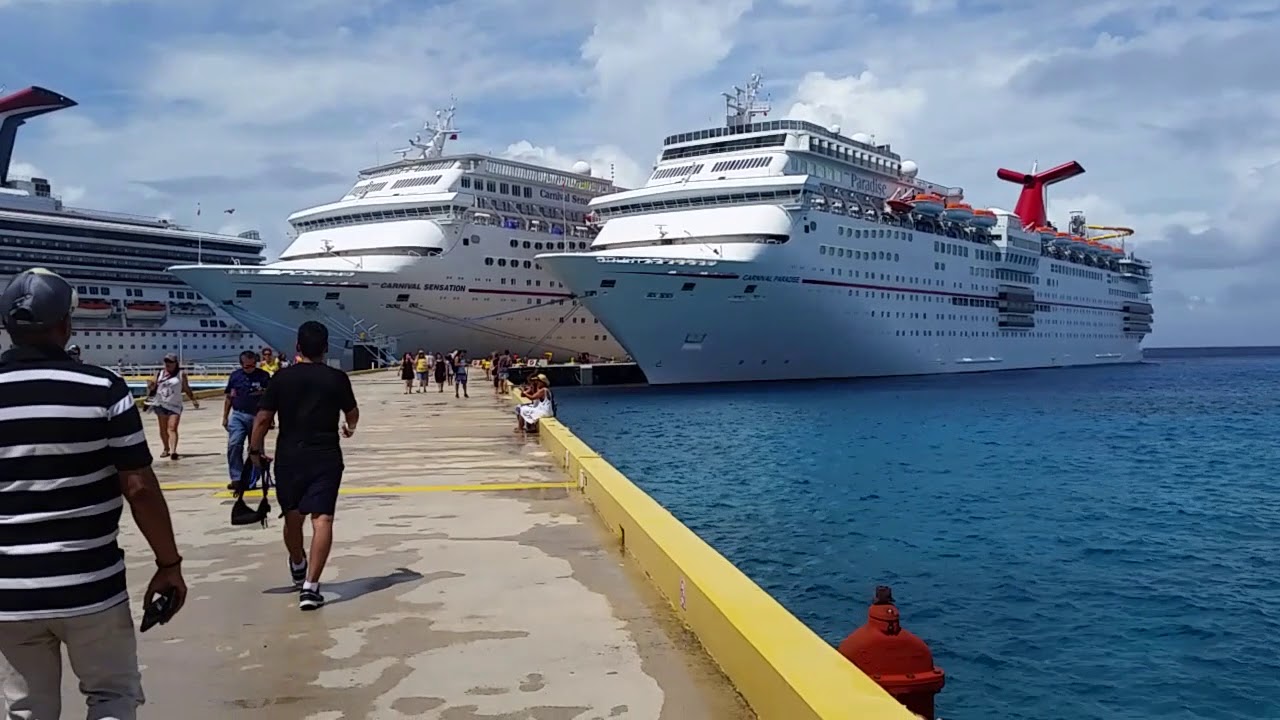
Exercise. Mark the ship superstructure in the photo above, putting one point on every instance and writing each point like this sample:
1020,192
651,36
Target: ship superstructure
782,249
432,251
131,310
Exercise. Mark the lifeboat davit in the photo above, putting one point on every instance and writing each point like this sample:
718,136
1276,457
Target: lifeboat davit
958,212
146,310
927,204
898,207
983,219
93,309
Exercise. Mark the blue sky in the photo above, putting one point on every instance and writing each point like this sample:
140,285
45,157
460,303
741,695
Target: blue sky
1173,106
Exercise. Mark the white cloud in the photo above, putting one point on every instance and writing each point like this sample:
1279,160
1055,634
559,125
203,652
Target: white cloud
1171,105
606,161
858,103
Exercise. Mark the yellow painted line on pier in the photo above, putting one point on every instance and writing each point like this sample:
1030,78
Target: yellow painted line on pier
192,486
389,489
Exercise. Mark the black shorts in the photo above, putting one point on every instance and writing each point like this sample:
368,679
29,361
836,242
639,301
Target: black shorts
309,482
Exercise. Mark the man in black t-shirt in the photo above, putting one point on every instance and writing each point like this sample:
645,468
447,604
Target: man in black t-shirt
308,397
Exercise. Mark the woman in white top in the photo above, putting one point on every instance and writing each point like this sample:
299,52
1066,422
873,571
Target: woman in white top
166,392
540,404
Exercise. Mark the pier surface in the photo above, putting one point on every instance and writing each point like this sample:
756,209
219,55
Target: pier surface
444,600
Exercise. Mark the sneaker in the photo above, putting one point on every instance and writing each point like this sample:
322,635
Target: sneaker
299,574
310,600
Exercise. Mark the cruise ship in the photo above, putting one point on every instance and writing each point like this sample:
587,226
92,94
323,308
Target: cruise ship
131,311
432,251
781,249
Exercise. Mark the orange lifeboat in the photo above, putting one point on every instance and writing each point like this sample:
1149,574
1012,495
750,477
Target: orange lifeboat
146,310
93,308
927,204
983,218
960,212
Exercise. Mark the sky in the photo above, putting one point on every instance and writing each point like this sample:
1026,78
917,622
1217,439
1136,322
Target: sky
1173,107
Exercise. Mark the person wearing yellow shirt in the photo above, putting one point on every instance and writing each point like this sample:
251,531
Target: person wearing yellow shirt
269,361
421,365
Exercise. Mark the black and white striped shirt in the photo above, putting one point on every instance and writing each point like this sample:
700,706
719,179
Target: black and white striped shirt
65,431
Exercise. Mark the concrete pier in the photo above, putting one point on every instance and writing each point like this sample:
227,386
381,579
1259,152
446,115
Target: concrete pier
466,582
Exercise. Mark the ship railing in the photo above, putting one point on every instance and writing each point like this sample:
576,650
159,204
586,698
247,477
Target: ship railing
215,369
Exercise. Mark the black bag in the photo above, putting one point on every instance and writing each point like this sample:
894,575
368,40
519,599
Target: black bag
241,513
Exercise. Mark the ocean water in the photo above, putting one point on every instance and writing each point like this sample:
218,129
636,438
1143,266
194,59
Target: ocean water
1080,544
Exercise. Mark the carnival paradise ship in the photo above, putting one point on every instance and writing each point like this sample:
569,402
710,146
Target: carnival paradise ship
785,250
432,251
130,310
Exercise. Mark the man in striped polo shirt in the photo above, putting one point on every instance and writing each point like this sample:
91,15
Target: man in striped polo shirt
72,451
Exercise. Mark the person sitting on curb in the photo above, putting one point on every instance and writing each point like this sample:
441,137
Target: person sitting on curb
540,404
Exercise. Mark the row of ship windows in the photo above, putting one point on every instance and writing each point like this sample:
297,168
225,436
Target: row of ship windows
1006,333
1124,293
128,238
501,188
857,254
1074,271
858,233
79,273
540,246
122,248
539,213
184,346
425,211
145,334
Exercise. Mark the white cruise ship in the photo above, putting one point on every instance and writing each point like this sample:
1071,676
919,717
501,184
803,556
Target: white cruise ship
785,250
433,252
131,311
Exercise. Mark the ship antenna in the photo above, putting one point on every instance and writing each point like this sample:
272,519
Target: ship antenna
745,103
441,130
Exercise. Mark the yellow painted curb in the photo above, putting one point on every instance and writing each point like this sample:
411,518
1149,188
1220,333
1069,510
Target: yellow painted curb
780,666
396,489
192,486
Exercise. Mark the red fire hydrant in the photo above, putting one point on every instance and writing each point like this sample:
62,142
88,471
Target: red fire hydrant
895,658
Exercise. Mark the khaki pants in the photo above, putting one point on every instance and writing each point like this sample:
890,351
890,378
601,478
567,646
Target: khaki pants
103,651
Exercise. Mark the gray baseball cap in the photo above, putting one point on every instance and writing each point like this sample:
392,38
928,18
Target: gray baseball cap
36,298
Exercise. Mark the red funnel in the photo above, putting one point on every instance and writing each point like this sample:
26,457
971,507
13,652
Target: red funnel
1030,206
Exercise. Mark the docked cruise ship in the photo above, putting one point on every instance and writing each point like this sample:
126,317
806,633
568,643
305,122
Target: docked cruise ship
432,251
130,310
782,249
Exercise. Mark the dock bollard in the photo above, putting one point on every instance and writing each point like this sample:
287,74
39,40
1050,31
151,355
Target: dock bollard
898,660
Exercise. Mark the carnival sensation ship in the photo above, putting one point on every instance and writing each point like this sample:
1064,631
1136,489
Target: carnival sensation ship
780,249
130,310
432,251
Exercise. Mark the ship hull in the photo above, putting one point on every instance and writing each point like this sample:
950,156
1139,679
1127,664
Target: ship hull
440,303
789,311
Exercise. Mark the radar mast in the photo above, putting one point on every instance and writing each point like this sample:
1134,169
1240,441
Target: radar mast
744,103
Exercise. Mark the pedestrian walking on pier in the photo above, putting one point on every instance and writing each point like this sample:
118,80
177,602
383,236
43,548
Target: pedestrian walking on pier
72,453
244,389
308,396
460,373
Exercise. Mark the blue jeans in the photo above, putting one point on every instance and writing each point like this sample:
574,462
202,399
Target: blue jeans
238,426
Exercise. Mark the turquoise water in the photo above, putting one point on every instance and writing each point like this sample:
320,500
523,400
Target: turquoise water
1083,544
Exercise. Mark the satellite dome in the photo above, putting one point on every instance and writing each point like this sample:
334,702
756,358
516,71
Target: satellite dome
582,167
910,168
835,129
863,138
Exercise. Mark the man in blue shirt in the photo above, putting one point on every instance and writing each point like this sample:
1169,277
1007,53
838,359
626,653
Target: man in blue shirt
244,389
